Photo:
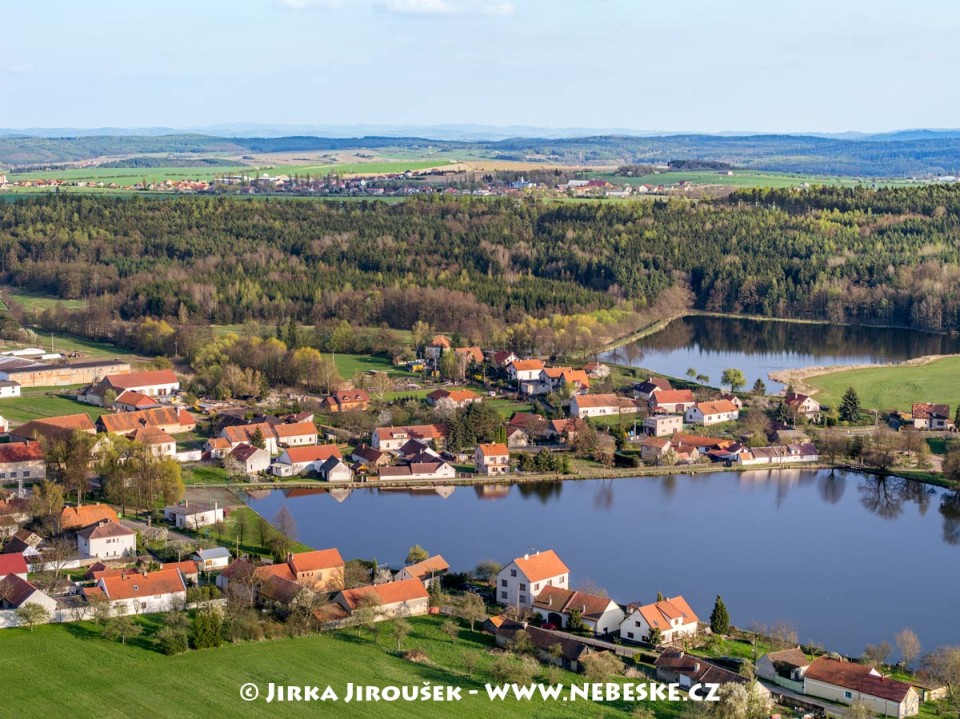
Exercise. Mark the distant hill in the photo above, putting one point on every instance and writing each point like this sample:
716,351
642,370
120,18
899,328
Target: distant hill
902,154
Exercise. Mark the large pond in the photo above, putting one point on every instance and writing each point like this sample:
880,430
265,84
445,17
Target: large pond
712,344
847,559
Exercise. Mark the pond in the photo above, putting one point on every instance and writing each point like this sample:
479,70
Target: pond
846,559
712,344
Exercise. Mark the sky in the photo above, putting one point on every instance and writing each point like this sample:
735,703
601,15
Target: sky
698,65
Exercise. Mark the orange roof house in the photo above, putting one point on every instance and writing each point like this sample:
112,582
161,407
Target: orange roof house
389,597
73,518
55,427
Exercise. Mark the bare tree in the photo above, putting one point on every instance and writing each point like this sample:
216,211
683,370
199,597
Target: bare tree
909,645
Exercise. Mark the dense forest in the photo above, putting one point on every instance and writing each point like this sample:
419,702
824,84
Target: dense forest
485,266
891,155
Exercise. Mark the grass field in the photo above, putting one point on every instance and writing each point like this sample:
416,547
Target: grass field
896,387
34,404
70,670
35,302
348,365
745,178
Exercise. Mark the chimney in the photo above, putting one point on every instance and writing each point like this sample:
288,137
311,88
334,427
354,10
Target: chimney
526,556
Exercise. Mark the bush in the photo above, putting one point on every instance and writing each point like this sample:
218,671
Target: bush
207,629
171,640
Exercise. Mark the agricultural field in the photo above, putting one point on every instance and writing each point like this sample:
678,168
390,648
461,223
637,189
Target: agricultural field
107,679
893,387
35,302
129,175
36,404
745,178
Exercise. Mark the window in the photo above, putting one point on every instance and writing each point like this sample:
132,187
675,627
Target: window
536,587
13,474
513,572
503,582
26,473
523,598
848,695
523,587
629,635
503,595
636,624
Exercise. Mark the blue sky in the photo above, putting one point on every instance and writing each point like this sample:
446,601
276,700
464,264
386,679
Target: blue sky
705,65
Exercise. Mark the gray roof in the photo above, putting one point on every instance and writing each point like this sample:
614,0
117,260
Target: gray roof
214,553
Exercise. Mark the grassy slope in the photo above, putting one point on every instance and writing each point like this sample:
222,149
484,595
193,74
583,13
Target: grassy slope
69,670
893,387
36,302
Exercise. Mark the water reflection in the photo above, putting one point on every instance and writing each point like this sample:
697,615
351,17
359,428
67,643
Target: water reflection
832,486
950,509
885,496
711,344
544,491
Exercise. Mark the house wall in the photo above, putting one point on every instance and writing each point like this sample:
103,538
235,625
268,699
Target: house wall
663,426
299,440
509,590
32,471
58,376
12,390
108,547
340,473
157,603
909,707
200,519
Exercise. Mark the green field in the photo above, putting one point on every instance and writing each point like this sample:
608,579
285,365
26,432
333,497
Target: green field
33,302
348,365
745,178
70,670
896,387
34,404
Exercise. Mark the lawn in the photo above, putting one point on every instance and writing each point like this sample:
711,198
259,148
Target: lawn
70,343
36,405
507,407
348,365
70,670
204,474
35,302
894,387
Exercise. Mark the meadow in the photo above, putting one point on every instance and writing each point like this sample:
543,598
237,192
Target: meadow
34,302
36,404
71,670
893,387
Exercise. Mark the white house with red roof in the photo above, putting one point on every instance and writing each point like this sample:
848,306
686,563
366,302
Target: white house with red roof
522,580
524,370
142,592
22,460
407,597
491,459
673,617
107,540
389,439
849,682
13,564
708,413
298,460
555,605
153,383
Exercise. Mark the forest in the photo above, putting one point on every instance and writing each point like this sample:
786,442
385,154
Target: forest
484,267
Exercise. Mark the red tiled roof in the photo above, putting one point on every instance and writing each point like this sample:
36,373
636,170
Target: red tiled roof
660,614
454,395
858,677
20,452
313,453
295,429
16,591
493,450
526,365
243,452
717,407
245,432
85,515
541,565
428,566
315,560
141,379
387,593
440,341
557,599
123,422
56,427
185,567
130,586
474,353
151,435
12,564
673,396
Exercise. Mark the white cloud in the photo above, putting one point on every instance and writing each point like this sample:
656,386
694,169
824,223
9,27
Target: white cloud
17,69
450,7
309,4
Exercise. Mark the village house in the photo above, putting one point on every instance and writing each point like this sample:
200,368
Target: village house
187,568
389,439
517,438
9,388
654,449
152,383
688,671
553,379
295,434
672,617
503,358
159,442
782,454
407,597
491,459
419,470
564,430
172,420
53,428
30,373
936,417
17,592
452,398
599,405
74,518
427,572
107,540
299,460
14,564
130,401
213,559
438,345
471,355
848,682
601,615
261,432
321,570
371,457
524,370
346,400
570,655
522,580
802,405
672,401
22,460
250,459
662,425
217,447
784,668
142,592
335,470
193,515
732,399
26,543
707,413
649,387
